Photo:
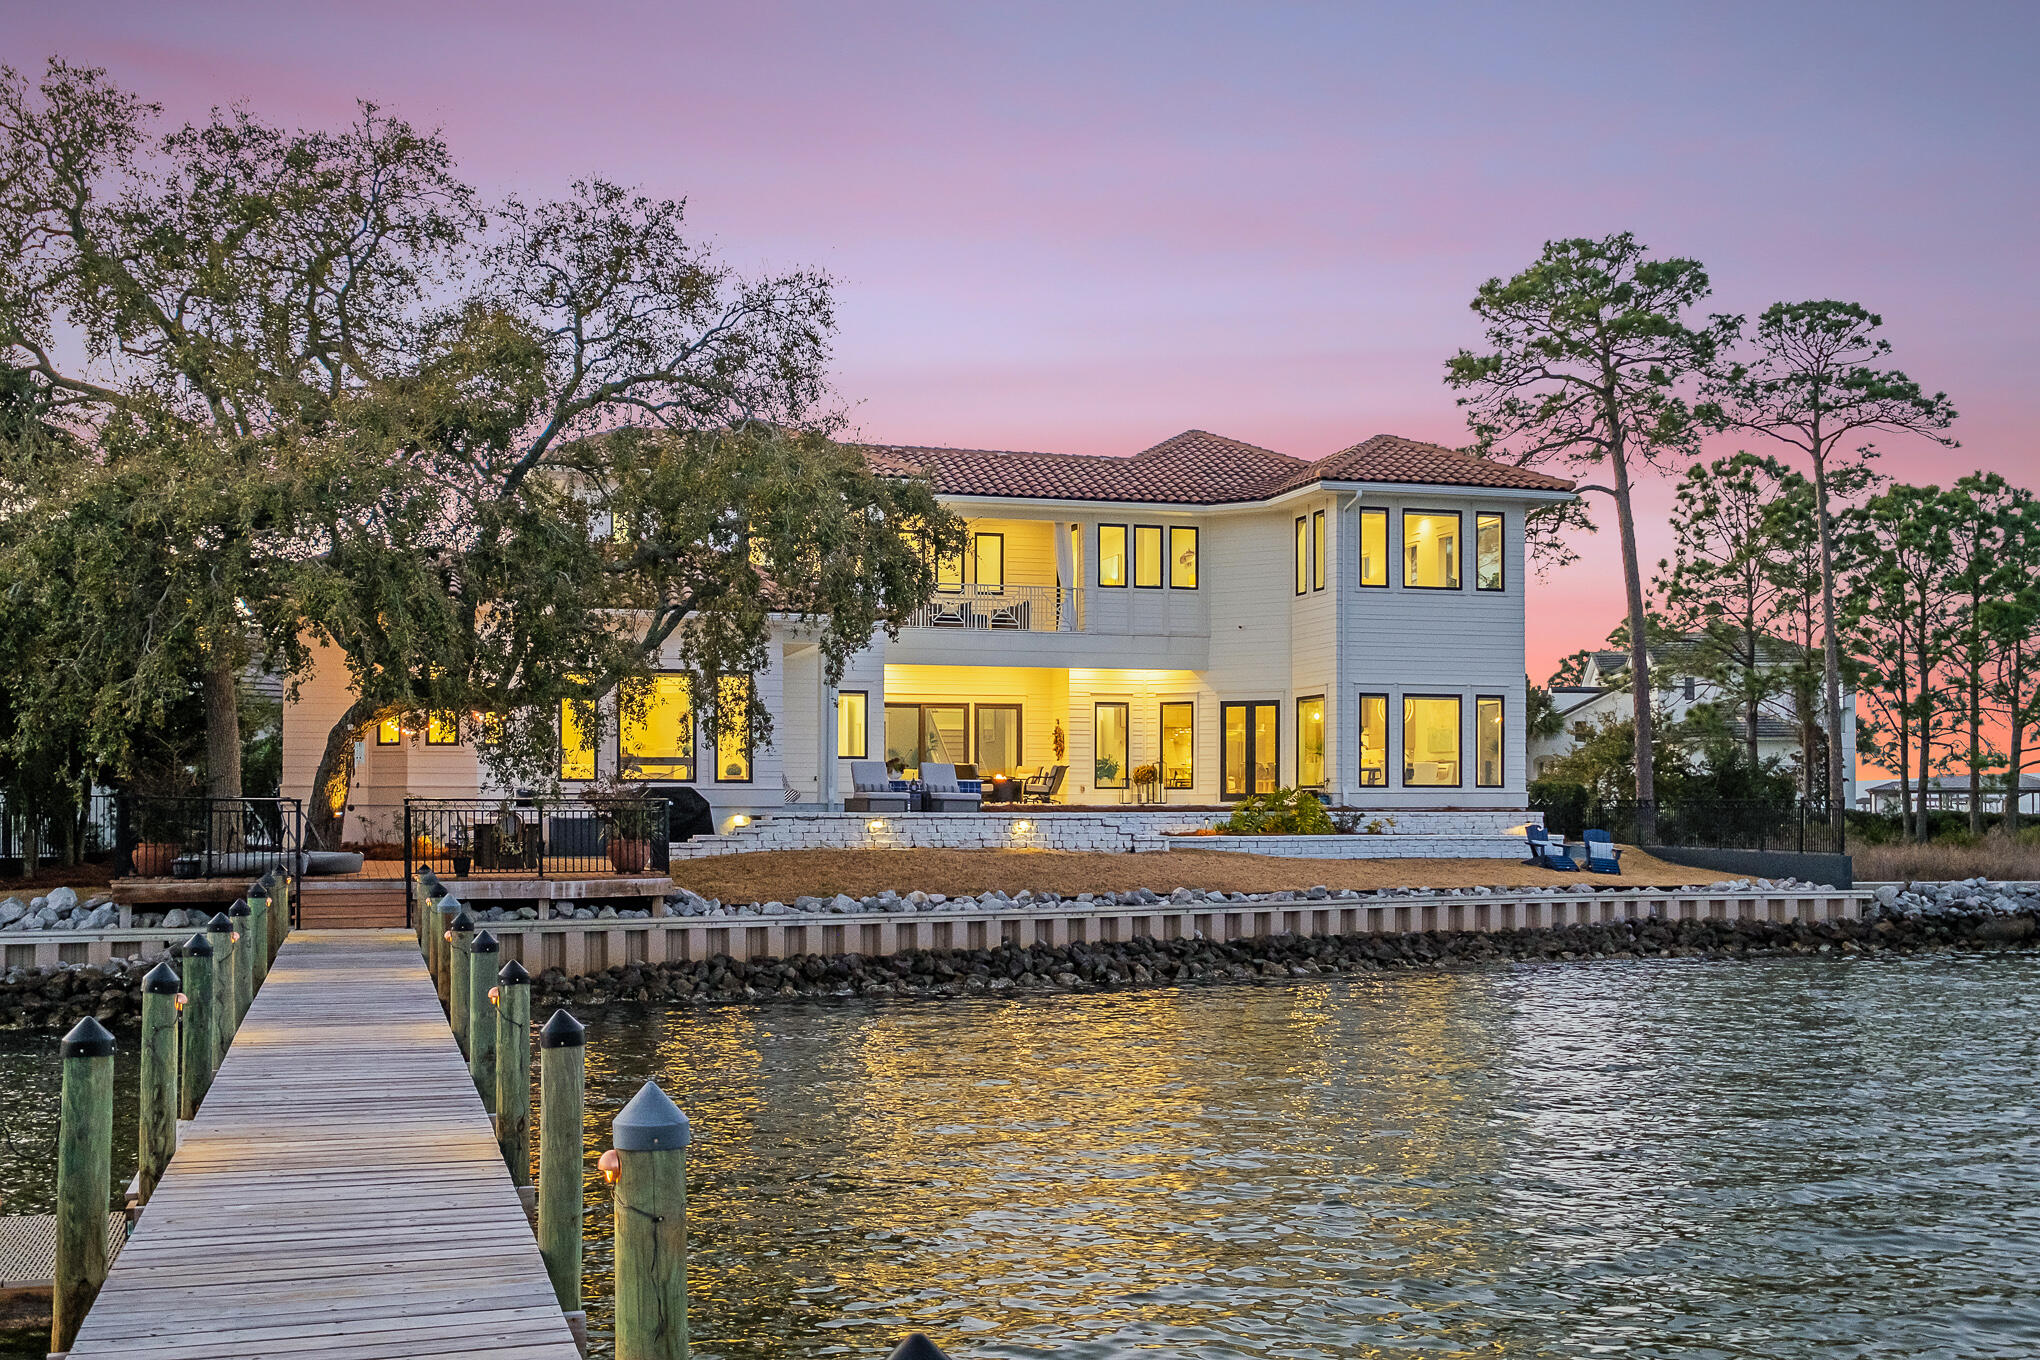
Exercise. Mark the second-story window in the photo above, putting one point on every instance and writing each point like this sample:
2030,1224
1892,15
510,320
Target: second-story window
1431,549
1147,557
1112,554
1182,557
989,554
1487,552
1302,554
1317,550
1374,547
949,572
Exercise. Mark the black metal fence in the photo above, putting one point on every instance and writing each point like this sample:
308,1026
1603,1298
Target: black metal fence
1715,825
534,837
79,833
196,837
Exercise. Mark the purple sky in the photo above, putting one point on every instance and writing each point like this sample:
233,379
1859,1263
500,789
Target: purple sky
1087,227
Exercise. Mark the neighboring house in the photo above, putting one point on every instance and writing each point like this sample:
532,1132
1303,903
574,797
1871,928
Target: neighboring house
1950,793
1602,692
1243,619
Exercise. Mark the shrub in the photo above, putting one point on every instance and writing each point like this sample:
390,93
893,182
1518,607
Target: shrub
1285,812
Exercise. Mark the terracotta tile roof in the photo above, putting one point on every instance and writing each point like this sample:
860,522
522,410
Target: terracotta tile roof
1195,468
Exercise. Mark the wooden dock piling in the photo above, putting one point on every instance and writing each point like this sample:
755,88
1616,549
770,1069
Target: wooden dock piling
244,958
562,1089
84,1177
159,1089
482,954
199,1034
460,989
649,1138
513,1070
219,933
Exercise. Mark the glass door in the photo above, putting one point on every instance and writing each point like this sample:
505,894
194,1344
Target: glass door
1250,749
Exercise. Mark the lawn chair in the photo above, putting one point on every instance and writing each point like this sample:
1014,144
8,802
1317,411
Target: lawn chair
1044,787
1603,855
1548,854
944,793
871,789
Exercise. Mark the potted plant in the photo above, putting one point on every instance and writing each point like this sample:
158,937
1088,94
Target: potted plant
629,819
457,847
160,813
1147,782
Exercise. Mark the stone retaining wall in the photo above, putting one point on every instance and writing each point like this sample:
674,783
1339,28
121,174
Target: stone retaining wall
1358,847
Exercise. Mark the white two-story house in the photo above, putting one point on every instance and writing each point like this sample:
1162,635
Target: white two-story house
1240,619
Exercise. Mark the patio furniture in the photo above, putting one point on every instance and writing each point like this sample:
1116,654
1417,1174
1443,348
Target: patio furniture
948,613
1015,614
871,789
1603,855
1043,788
1002,790
944,793
1547,852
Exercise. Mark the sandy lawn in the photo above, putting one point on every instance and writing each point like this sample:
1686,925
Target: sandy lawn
783,875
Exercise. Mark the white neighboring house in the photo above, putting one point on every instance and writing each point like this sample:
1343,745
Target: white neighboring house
1243,619
1602,693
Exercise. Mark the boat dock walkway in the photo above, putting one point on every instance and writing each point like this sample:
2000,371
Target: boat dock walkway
340,1194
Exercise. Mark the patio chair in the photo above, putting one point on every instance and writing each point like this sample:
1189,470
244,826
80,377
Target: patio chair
1044,787
944,793
948,613
1544,852
871,789
1603,855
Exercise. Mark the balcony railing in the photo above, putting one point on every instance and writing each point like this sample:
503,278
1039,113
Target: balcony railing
526,837
1004,609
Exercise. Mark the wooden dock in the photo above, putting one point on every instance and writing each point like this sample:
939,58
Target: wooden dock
340,1193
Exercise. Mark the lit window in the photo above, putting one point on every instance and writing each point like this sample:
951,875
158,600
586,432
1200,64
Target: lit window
733,729
949,572
1317,550
1430,741
998,739
1179,745
853,713
1182,558
656,729
1487,552
442,728
1302,554
990,553
1487,742
389,732
1147,556
577,739
1112,554
489,729
1310,743
1249,759
1111,735
1374,547
1374,740
1430,549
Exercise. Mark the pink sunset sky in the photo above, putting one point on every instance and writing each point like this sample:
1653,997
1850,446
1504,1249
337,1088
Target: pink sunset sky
1087,227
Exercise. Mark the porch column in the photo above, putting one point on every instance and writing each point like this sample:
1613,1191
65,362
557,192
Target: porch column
825,739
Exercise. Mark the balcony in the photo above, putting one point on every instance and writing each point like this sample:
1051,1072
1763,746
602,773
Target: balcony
1004,609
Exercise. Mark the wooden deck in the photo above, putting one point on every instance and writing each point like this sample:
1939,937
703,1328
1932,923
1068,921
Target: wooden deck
339,1194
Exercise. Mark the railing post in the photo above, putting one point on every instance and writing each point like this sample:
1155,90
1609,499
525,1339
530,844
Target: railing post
84,1177
219,932
562,1087
513,1070
195,1060
482,952
648,1164
460,988
159,1098
244,958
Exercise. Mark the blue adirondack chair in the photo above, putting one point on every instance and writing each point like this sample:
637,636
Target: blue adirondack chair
1545,853
1603,855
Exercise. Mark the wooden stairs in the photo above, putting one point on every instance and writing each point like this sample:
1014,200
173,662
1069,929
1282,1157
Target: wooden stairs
351,904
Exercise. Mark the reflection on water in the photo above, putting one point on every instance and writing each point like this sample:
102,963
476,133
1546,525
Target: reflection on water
1780,1159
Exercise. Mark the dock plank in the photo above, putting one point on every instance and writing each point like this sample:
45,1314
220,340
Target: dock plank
339,1193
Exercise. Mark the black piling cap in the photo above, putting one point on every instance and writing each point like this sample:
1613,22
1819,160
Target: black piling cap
197,947
240,908
483,943
220,923
162,980
435,891
917,1347
425,874
87,1039
462,923
563,1031
513,975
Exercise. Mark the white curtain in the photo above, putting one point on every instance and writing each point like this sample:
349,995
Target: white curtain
1065,578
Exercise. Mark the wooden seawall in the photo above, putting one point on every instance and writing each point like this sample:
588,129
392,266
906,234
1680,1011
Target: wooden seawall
340,1193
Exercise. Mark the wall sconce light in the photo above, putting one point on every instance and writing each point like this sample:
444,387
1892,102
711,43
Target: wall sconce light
1022,828
740,820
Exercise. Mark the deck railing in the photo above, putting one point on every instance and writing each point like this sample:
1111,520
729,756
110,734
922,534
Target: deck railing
996,609
197,837
533,837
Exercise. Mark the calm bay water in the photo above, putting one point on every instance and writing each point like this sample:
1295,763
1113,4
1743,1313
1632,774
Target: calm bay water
1781,1159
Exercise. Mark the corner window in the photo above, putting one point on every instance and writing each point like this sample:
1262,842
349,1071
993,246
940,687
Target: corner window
989,550
442,727
1302,554
1431,549
1430,741
1111,555
1487,552
1147,557
1487,742
1179,745
1110,734
655,729
733,729
1310,742
577,739
1182,558
1374,741
389,732
1374,548
853,719
1317,550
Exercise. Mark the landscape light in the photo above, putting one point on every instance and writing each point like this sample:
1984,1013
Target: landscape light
740,820
180,1001
610,1164
1023,827
875,824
